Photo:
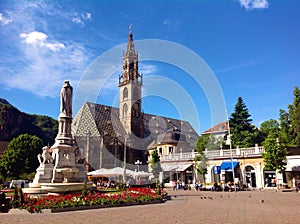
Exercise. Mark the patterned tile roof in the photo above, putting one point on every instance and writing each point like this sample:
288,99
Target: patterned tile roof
104,120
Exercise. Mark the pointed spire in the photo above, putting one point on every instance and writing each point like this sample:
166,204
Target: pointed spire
130,37
130,46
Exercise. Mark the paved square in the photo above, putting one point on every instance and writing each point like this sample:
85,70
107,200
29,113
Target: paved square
186,207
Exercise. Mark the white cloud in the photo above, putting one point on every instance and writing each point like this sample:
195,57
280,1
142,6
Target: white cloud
43,70
39,39
238,66
39,56
254,4
80,19
86,16
147,69
3,20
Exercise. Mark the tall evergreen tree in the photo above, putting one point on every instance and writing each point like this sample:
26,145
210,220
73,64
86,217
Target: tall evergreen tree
243,133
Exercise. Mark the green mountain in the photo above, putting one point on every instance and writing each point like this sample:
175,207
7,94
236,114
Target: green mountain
14,122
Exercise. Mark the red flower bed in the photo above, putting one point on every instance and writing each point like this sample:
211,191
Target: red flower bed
131,195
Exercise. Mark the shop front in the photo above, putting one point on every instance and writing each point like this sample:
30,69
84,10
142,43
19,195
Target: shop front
226,171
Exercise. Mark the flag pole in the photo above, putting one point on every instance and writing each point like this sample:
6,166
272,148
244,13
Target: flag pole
230,147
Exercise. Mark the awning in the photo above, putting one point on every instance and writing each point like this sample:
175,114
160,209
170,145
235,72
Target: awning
168,167
227,166
175,167
183,167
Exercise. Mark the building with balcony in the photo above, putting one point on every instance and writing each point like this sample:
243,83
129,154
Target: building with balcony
176,156
247,162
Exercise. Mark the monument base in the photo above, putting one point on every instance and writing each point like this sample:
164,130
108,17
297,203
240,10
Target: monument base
43,174
45,188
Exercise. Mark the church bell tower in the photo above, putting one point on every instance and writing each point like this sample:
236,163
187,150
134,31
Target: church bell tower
130,85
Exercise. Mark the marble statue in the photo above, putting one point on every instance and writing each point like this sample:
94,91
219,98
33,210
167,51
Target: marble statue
46,156
66,99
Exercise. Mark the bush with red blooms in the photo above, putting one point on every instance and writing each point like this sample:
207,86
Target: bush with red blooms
130,195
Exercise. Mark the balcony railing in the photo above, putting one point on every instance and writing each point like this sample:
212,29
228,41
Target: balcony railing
215,154
237,152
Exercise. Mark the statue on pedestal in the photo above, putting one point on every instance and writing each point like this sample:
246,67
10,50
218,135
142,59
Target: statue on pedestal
66,99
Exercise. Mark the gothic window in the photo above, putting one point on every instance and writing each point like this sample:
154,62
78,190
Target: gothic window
125,93
125,110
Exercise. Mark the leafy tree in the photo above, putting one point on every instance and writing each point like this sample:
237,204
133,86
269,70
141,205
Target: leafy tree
290,122
208,142
294,112
285,128
201,160
243,133
269,126
21,156
275,153
155,163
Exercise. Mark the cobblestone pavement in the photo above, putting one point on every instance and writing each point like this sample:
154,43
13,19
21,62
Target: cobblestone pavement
186,207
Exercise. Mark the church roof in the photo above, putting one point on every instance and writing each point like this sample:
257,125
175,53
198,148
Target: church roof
104,120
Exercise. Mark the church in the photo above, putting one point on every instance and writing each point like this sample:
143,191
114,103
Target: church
109,136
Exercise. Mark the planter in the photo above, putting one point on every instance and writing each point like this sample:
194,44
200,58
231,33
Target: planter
68,209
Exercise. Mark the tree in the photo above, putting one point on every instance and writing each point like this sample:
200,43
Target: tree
155,163
243,133
290,122
200,159
275,153
20,158
269,126
285,127
294,113
208,142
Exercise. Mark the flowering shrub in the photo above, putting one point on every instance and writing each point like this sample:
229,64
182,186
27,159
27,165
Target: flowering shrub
130,195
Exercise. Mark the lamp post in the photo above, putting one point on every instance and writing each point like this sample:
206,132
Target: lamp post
230,147
175,157
88,133
124,165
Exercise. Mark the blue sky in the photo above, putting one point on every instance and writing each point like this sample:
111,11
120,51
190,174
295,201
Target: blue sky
251,47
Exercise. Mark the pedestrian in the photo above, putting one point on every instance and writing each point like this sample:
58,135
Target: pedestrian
174,185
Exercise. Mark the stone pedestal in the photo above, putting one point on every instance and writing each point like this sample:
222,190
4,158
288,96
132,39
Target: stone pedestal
43,174
65,170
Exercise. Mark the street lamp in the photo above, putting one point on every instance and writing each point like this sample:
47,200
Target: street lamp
124,165
138,163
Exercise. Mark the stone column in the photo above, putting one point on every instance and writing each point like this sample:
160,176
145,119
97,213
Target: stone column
258,175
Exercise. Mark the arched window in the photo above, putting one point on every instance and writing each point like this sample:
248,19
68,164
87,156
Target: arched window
125,110
125,93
